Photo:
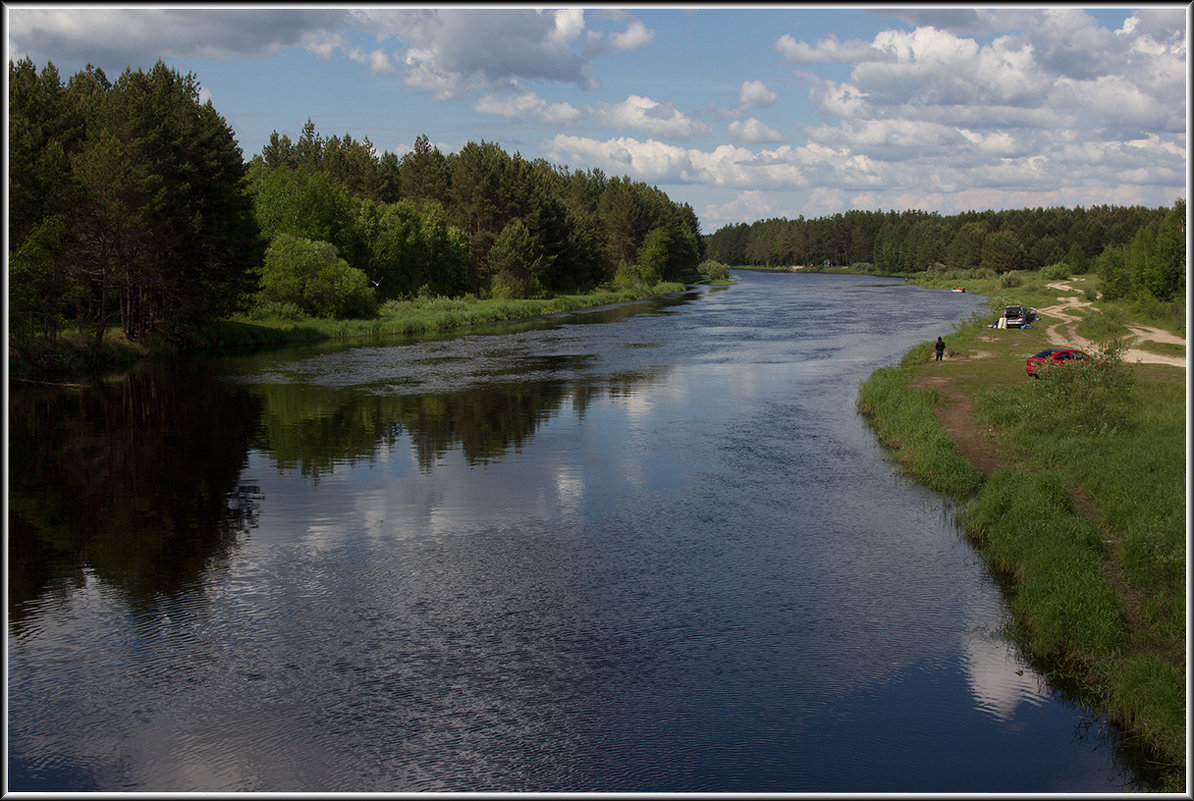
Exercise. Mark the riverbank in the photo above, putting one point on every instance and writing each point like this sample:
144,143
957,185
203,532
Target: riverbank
1077,506
75,352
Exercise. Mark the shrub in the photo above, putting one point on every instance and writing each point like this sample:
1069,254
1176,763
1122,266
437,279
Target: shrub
311,276
651,261
711,270
626,277
1058,271
1103,325
1096,397
276,310
1009,280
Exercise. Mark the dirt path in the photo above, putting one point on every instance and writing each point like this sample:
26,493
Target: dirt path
956,414
1062,333
979,446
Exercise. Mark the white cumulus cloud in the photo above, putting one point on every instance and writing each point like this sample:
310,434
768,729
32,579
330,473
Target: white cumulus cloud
529,106
753,131
651,116
755,94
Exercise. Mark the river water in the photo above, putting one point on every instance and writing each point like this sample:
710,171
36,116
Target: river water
651,548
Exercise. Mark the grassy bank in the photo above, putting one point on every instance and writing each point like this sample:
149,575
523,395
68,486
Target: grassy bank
1081,512
75,352
420,316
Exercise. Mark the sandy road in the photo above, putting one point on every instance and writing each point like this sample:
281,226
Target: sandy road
1062,334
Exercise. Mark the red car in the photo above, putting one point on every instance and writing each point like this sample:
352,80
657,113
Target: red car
1047,358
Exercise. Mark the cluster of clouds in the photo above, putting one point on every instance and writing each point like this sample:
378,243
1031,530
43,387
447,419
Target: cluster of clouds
1065,112
947,109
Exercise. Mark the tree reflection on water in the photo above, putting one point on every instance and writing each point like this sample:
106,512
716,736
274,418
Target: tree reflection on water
136,479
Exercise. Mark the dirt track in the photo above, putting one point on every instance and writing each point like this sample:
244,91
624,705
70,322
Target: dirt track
956,415
1062,333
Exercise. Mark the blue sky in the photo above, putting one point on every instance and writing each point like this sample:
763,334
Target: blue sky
744,113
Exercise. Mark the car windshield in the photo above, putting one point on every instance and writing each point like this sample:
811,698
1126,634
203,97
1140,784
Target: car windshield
1044,354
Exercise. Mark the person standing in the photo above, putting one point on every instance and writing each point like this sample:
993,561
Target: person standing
940,346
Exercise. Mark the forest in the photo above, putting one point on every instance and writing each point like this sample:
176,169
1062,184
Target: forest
132,206
1135,250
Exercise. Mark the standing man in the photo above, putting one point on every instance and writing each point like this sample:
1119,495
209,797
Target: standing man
940,346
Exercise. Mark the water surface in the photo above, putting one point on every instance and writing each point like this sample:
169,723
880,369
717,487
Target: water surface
651,548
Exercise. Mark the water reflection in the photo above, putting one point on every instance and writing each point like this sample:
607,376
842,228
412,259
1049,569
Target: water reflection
999,682
662,555
136,480
313,429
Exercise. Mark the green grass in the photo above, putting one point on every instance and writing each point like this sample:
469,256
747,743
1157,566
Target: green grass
1099,325
73,352
904,422
1160,348
418,316
1087,525
1026,527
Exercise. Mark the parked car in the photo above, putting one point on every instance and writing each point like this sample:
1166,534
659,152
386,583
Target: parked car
1044,360
1018,316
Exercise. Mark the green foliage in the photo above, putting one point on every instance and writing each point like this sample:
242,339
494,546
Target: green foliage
1103,325
966,249
650,264
150,184
1169,256
1010,280
280,310
1058,271
1002,252
1026,527
1077,259
1150,698
1094,396
423,173
912,241
345,161
713,271
39,284
1089,528
310,276
1114,277
407,251
1152,264
517,263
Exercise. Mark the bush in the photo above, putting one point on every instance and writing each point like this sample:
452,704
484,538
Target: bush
711,270
1058,271
276,310
626,277
1095,398
311,276
1103,325
1010,280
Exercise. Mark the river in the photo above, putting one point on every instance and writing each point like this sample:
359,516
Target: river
651,548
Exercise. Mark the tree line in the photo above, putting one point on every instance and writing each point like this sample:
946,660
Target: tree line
127,205
132,204
478,221
1134,249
